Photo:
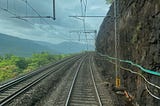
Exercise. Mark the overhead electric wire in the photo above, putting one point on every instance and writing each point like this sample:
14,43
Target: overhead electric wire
79,18
35,11
40,15
83,6
93,36
26,12
28,5
13,14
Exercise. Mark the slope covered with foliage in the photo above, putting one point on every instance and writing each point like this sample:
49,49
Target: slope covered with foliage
12,66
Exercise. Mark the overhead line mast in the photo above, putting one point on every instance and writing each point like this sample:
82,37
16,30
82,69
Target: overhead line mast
118,82
54,10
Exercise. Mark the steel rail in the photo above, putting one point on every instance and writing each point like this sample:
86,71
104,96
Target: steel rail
29,75
23,89
73,82
95,87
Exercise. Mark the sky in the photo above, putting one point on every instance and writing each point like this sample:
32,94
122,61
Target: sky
48,30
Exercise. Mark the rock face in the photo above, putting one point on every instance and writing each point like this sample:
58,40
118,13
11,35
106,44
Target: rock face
139,41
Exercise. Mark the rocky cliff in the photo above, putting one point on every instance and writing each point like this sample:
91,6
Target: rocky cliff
139,42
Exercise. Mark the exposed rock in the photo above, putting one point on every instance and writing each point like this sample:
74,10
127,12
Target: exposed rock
139,41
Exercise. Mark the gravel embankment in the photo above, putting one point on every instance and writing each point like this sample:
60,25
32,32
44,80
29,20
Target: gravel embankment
39,92
60,90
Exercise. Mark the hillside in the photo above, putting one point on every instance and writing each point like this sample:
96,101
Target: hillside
20,47
24,47
139,42
68,47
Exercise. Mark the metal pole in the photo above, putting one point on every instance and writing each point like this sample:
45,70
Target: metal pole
54,10
26,8
95,34
84,28
7,4
116,44
0,6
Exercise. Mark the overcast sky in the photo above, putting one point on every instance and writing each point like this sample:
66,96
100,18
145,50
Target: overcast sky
57,31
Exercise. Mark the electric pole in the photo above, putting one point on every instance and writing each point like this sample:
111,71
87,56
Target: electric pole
118,82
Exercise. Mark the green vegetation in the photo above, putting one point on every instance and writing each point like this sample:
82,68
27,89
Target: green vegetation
12,66
109,1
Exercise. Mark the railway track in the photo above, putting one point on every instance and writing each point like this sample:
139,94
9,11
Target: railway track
14,88
83,90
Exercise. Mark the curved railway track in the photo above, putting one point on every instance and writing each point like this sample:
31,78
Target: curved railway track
14,88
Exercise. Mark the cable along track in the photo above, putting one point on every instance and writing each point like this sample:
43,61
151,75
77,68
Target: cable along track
83,90
14,88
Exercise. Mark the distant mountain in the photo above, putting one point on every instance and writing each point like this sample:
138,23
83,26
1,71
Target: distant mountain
20,47
67,47
24,47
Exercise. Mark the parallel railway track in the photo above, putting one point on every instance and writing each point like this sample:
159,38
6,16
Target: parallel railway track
81,88
14,88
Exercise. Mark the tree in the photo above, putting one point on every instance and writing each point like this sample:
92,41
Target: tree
11,65
22,63
8,56
1,58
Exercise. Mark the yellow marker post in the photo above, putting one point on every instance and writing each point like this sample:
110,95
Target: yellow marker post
118,82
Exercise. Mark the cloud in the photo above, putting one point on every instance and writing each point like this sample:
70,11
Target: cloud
56,31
